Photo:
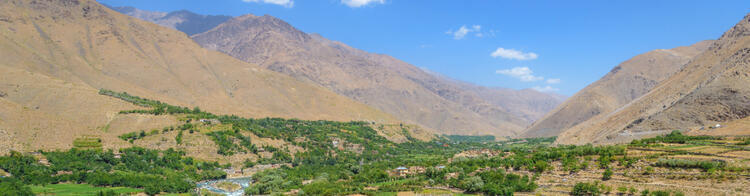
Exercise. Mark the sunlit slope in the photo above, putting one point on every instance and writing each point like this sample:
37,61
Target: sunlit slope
391,85
57,54
712,88
626,82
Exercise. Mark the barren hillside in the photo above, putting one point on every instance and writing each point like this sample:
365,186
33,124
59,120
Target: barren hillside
626,82
57,54
381,81
711,89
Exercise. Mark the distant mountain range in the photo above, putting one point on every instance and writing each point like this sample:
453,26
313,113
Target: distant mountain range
188,22
396,87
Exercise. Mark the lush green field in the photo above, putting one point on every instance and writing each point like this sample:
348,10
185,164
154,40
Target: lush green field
79,189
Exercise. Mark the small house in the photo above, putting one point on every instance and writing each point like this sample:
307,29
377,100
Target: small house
402,171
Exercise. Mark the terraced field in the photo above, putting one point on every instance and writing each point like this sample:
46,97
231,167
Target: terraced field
730,177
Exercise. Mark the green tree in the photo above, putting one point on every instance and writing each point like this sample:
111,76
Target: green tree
152,190
586,189
178,138
622,189
473,184
607,174
13,187
541,166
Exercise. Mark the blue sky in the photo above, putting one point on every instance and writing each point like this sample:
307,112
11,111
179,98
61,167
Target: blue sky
559,46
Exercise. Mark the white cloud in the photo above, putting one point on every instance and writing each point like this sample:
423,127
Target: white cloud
545,89
513,54
523,73
463,31
553,81
360,3
285,3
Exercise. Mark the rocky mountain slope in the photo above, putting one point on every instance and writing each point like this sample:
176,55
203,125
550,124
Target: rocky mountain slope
711,89
626,82
378,80
183,20
58,54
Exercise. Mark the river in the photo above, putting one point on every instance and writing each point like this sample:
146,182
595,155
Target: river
208,185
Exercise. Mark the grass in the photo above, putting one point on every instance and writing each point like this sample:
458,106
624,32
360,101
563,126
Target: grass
393,182
681,146
78,189
87,143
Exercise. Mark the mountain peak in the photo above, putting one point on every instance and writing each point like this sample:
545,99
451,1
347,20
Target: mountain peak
741,29
265,25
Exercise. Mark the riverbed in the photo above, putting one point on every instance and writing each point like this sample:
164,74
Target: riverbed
244,182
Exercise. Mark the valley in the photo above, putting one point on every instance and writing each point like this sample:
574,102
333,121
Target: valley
340,158
149,99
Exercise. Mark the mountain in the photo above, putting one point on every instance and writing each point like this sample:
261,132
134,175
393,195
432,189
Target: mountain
381,81
188,22
58,54
711,89
623,84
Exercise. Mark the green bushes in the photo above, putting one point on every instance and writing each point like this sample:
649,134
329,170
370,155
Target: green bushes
159,171
132,136
496,182
607,174
586,189
157,107
402,185
688,164
178,138
13,187
87,143
674,137
472,184
227,146
468,138
267,182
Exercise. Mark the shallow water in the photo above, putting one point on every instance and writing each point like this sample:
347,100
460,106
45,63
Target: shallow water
244,182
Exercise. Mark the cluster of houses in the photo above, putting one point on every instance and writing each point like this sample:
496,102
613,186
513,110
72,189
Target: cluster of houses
479,153
406,171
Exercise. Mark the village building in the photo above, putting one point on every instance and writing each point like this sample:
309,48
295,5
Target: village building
402,171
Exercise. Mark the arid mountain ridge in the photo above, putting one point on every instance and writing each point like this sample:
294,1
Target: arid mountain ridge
623,84
58,54
381,81
188,22
710,89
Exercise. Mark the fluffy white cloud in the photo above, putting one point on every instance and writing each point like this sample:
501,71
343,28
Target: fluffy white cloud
360,3
513,54
285,3
463,31
553,81
545,89
522,73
